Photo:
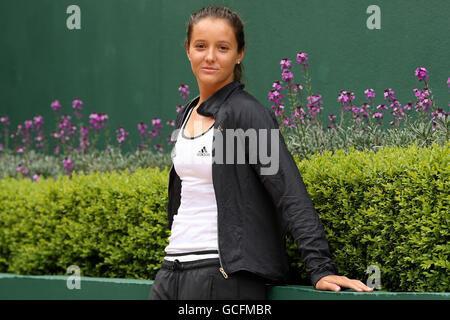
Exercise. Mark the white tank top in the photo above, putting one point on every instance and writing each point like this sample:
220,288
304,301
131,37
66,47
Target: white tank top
194,229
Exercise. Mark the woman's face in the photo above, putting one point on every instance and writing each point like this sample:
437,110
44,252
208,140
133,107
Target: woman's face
213,52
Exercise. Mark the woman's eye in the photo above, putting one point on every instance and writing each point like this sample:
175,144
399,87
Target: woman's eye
200,46
223,48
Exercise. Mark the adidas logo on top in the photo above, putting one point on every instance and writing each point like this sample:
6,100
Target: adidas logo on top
203,152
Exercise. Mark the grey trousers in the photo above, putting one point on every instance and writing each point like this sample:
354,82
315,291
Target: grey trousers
202,280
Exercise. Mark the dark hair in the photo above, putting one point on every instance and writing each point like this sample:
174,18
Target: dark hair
223,13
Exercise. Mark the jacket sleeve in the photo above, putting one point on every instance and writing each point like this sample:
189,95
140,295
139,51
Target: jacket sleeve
289,194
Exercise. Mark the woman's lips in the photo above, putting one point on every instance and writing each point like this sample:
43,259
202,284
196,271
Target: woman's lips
209,70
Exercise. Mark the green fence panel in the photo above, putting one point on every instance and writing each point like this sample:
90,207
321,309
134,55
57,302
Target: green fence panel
24,287
127,58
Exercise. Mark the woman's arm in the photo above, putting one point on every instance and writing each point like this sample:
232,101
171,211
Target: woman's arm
289,194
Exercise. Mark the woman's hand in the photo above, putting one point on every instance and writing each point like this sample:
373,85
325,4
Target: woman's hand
335,283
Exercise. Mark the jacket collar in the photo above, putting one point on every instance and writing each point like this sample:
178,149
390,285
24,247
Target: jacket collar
211,106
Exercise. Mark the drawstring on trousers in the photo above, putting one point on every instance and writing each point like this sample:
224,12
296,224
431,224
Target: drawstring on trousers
177,265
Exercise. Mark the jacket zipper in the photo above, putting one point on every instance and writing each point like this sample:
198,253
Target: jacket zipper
222,271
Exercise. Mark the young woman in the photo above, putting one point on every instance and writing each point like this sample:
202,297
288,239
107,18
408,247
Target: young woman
228,218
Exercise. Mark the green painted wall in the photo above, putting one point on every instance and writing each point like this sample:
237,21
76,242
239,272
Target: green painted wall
23,287
128,61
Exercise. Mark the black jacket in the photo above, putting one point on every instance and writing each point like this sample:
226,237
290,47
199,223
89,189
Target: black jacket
256,210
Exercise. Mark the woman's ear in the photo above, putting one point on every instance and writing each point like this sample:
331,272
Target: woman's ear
186,47
241,54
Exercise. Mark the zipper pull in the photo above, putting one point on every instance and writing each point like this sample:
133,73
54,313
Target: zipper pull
223,273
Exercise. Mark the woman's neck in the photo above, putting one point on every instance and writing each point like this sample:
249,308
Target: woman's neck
207,91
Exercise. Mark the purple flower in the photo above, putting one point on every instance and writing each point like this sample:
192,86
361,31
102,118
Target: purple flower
28,125
77,104
184,90
19,129
301,58
275,96
156,123
370,94
66,128
84,131
299,113
84,139
158,147
288,123
40,143
377,115
22,169
448,82
171,123
154,133
121,135
389,94
314,99
36,177
423,99
286,64
408,106
439,113
298,87
98,120
142,127
287,75
56,106
382,107
314,104
38,122
361,112
333,124
277,85
346,96
397,112
278,110
421,74
170,140
4,120
68,165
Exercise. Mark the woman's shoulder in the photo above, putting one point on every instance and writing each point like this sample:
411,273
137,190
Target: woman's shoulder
249,112
245,99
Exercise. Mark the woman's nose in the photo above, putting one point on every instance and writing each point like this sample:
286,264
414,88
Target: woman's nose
210,56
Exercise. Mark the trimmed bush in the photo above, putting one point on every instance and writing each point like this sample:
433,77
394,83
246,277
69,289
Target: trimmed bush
110,224
389,209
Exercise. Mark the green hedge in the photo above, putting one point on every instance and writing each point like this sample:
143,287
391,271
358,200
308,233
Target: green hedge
389,208
110,224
